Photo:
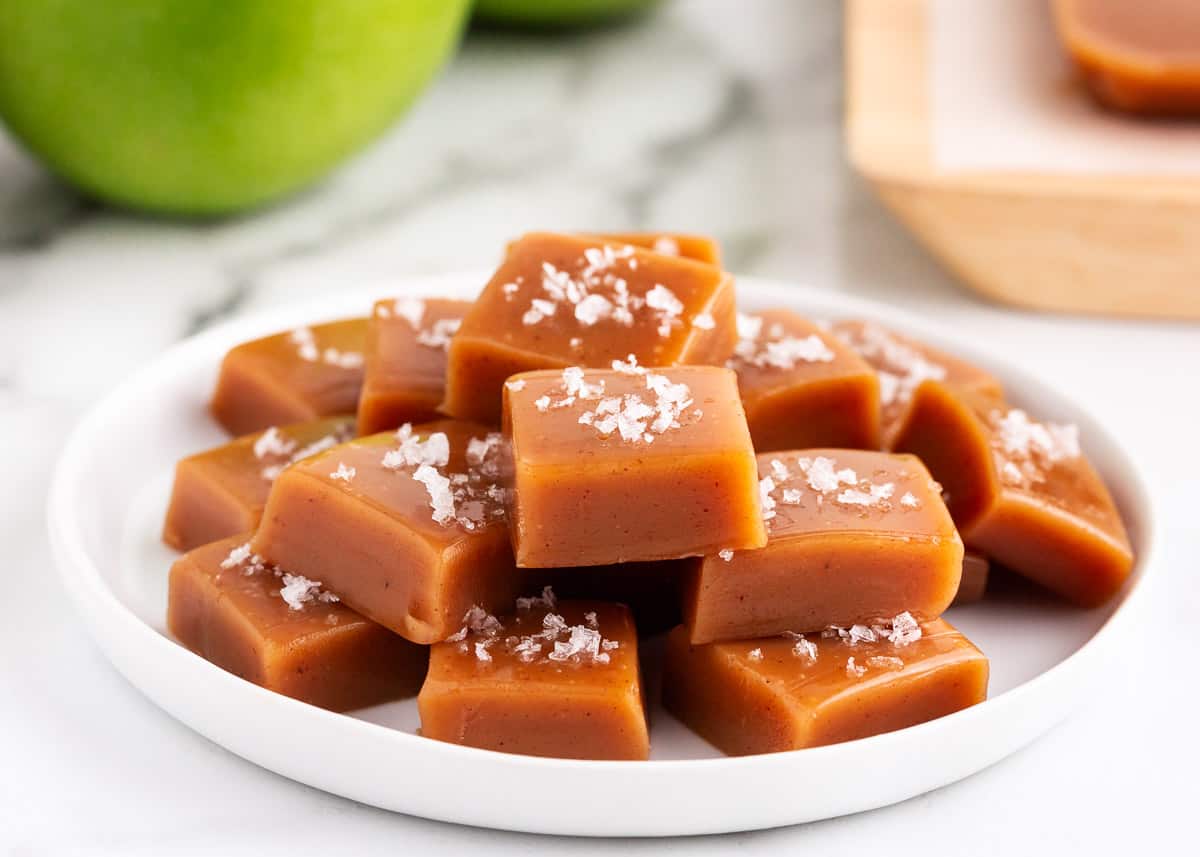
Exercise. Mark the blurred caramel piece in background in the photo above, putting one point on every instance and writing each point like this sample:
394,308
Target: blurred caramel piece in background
1138,56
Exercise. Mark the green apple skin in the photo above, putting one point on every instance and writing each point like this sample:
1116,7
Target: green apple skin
556,13
207,107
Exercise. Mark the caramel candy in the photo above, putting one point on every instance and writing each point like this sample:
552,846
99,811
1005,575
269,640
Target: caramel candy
854,536
561,300
652,590
405,375
291,377
558,680
698,247
408,528
1020,491
627,465
975,572
903,364
802,387
221,492
787,693
1141,57
285,632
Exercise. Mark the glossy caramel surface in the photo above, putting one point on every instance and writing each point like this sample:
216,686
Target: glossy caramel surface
778,693
1021,490
853,536
221,492
229,607
564,300
552,679
600,476
405,361
903,363
406,537
802,386
296,375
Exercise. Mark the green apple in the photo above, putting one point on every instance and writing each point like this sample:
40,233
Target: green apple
202,107
556,13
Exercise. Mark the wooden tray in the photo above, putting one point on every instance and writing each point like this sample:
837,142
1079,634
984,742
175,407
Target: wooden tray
1127,245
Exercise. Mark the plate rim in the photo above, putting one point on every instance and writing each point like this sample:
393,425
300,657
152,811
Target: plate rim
119,631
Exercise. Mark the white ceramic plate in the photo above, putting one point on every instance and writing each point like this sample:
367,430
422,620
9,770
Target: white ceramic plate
105,512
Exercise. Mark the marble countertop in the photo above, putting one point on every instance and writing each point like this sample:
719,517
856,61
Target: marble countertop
710,116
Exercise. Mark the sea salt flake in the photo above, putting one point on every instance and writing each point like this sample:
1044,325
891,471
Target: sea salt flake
666,245
411,310
440,333
481,651
516,385
272,443
298,590
726,554
756,654
441,498
343,473
885,662
765,486
592,309
237,556
910,501
802,647
791,496
547,599
905,629
875,495
853,670
704,321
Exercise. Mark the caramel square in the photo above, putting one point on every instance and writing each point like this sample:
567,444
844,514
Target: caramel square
291,377
408,528
222,492
552,679
787,693
699,248
1021,491
802,387
563,300
405,375
903,363
853,536
284,632
626,465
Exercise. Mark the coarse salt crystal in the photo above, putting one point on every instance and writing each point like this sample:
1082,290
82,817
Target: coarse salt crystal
542,403
516,385
802,647
905,629
343,473
441,498
411,310
791,496
756,654
725,554
910,501
272,443
873,496
434,450
298,591
704,321
237,556
765,486
853,670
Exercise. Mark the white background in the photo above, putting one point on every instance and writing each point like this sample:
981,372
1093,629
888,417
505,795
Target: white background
712,116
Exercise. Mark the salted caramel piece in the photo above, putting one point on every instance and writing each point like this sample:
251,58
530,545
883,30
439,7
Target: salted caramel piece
285,632
975,572
291,377
221,492
408,528
853,536
552,679
626,465
787,693
563,300
803,387
404,379
652,590
1141,57
1021,491
903,364
701,248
